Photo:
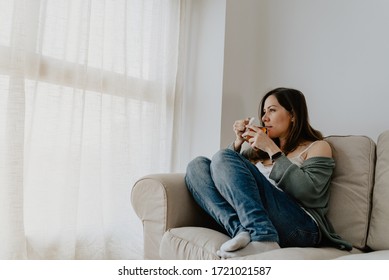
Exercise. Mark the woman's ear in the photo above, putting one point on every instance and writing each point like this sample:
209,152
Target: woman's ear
291,116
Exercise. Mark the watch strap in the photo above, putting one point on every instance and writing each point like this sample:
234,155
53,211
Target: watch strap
276,156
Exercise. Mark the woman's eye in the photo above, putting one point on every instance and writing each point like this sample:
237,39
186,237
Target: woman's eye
269,111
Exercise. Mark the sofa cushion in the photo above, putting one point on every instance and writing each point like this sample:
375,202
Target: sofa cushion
191,243
300,253
377,255
198,243
379,226
351,187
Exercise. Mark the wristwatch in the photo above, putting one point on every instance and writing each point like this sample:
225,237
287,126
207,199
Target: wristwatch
276,155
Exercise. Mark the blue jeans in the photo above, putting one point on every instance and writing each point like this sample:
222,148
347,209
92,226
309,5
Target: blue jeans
240,198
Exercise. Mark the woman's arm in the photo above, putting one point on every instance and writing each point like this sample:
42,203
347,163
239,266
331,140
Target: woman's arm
308,183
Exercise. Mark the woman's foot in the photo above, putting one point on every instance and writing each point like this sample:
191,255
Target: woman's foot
252,248
238,242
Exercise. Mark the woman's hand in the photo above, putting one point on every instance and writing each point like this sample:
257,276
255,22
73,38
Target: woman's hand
259,140
239,129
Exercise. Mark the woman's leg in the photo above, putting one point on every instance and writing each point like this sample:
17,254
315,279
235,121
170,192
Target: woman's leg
233,177
200,183
266,212
294,226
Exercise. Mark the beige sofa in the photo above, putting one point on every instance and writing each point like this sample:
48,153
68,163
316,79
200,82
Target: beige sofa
176,228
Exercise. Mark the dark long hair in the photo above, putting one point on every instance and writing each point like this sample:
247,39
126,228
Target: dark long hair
294,102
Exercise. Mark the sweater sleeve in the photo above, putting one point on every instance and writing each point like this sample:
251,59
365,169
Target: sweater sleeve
248,152
308,183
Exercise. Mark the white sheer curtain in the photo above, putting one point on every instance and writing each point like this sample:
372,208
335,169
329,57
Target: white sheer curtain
87,93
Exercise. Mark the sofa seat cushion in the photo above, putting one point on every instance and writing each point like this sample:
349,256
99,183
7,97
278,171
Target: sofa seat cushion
298,253
378,238
191,243
351,187
376,255
198,243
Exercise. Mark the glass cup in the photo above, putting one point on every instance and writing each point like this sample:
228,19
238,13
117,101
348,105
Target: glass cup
264,129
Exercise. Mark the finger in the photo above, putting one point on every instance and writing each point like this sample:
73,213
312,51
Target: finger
252,128
255,148
241,127
248,134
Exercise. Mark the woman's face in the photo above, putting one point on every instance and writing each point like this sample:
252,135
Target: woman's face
276,118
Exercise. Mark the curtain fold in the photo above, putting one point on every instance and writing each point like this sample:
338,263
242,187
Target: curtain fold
12,125
87,102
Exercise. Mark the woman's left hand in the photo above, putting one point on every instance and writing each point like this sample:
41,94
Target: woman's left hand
258,139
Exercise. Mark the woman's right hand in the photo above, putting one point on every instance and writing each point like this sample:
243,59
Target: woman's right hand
239,128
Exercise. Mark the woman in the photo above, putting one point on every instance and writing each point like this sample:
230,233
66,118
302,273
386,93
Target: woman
274,194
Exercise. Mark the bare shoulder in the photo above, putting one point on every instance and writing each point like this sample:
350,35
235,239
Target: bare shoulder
320,149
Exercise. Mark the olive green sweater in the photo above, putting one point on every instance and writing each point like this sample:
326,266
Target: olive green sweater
309,185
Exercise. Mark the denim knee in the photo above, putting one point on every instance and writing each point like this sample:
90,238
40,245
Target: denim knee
196,168
223,155
196,164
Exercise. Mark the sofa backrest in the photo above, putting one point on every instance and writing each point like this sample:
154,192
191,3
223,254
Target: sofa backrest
378,238
351,187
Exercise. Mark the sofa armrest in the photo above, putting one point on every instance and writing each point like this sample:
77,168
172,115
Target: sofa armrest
162,201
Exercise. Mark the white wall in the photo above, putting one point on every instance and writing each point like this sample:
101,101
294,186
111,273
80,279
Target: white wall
336,52
243,64
202,92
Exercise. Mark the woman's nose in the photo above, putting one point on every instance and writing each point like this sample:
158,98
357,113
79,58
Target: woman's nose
264,117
